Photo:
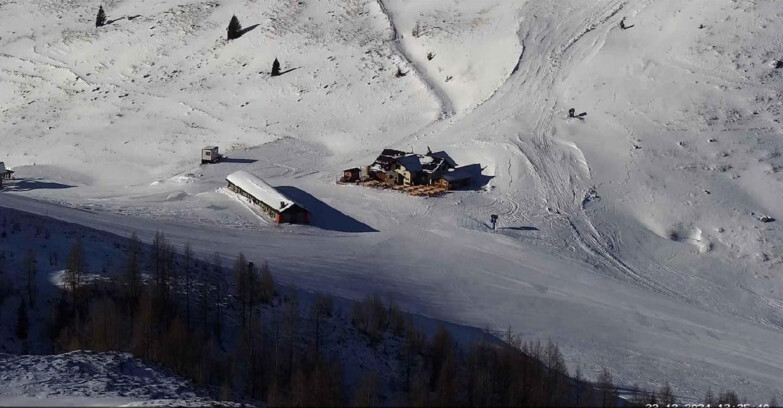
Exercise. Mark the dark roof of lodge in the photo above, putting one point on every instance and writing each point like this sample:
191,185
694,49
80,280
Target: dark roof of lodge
430,163
457,175
410,162
387,157
445,156
392,153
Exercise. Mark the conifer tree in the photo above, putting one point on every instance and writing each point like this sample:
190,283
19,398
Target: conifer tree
266,285
241,276
32,270
75,268
205,304
188,257
578,378
100,20
606,388
234,28
21,321
276,68
132,279
219,295
709,398
666,395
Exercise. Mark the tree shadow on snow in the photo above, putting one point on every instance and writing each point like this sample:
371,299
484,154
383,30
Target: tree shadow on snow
239,161
115,20
247,29
280,74
129,18
289,70
520,228
323,215
33,184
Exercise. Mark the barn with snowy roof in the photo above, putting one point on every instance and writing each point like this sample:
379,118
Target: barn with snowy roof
5,174
271,202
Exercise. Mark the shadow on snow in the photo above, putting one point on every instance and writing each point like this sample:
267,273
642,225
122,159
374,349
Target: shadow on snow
33,184
323,215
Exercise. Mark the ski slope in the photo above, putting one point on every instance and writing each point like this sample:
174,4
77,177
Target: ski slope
632,237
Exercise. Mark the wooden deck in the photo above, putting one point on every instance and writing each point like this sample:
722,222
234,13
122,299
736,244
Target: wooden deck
416,191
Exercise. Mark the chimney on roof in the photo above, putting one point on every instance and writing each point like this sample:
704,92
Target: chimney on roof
282,204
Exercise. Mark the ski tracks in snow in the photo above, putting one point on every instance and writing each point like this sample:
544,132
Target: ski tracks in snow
447,106
559,168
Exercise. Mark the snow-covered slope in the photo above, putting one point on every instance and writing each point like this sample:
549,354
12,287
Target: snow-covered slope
631,237
169,63
83,378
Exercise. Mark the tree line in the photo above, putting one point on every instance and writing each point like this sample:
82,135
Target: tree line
244,339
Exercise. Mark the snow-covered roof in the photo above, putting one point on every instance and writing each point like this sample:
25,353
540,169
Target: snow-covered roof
209,148
261,190
432,164
386,158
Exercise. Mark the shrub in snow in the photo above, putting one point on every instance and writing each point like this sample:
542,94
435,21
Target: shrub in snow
234,28
276,68
100,20
416,32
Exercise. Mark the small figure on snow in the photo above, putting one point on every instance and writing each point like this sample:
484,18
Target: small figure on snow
572,114
623,26
494,220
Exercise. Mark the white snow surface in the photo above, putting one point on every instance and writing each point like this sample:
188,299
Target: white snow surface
631,238
83,378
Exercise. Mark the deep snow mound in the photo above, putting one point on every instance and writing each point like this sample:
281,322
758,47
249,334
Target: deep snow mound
90,378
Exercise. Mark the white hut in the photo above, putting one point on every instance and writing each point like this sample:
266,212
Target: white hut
277,206
210,154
